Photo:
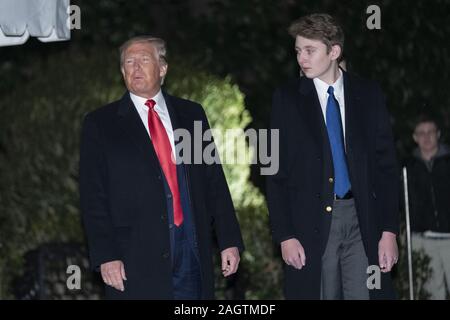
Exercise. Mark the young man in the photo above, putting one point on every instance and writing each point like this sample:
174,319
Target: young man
149,219
429,197
333,203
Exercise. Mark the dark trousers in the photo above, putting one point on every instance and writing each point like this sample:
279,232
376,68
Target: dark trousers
186,269
344,263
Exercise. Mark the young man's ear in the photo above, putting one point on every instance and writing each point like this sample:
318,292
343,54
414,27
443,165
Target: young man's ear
414,136
335,51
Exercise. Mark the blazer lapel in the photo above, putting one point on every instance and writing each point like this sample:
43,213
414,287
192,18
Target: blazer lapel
132,125
310,110
181,120
354,133
352,114
174,119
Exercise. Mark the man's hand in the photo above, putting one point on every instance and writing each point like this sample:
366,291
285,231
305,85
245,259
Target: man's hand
230,261
293,253
387,251
113,274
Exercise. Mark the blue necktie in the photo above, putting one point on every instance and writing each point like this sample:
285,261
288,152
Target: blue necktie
335,135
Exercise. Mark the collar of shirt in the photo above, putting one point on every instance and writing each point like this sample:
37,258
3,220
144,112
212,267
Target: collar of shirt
322,88
161,109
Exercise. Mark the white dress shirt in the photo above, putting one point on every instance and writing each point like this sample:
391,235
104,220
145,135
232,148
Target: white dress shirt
161,110
322,88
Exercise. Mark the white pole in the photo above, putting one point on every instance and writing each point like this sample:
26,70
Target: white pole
408,234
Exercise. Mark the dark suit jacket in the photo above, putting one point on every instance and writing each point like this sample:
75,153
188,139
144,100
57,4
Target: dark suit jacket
301,190
123,200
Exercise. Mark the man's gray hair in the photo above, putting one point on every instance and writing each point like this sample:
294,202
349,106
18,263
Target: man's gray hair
158,43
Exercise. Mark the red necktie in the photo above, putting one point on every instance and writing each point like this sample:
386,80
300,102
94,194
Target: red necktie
163,150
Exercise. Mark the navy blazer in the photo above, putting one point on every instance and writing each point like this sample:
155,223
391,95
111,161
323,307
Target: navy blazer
123,199
302,189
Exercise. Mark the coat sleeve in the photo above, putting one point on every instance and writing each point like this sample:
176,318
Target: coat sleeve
220,204
276,184
386,169
94,196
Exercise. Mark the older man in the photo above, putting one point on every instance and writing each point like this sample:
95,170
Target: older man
149,218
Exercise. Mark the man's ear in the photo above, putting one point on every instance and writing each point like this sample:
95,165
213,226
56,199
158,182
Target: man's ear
335,51
414,136
438,134
163,70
